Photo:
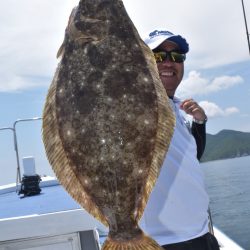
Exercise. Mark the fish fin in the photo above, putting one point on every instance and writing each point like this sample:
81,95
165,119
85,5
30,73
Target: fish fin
58,159
142,243
60,51
165,130
70,21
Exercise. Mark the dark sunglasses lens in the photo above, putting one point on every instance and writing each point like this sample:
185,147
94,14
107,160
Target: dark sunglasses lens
173,56
177,57
160,56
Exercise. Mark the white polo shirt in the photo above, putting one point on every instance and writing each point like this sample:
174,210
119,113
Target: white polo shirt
177,207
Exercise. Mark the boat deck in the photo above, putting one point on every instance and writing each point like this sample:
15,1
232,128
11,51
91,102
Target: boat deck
54,213
12,205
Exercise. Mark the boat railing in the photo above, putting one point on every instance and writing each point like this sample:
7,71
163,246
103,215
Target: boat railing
14,130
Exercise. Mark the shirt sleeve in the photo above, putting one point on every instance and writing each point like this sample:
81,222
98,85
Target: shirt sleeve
199,133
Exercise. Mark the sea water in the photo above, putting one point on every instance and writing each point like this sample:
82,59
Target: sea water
228,185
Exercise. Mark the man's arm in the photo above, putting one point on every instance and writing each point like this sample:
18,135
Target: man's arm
199,133
199,124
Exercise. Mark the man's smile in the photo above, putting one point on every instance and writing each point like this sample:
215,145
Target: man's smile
167,73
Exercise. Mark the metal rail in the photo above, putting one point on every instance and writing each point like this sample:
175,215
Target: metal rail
245,19
13,129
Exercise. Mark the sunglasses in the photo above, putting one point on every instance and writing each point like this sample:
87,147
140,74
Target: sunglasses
173,56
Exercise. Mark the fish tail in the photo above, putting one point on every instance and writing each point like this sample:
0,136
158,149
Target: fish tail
140,243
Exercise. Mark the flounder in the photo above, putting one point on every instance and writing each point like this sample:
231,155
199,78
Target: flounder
107,123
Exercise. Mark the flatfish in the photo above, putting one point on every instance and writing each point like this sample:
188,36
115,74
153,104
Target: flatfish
107,122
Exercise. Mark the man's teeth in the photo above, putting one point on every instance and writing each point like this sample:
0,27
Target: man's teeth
167,73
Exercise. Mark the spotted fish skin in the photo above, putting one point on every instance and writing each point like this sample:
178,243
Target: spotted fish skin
107,123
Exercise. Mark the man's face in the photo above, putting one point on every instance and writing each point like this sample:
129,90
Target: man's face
171,73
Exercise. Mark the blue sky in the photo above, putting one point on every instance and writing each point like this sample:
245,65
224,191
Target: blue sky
216,70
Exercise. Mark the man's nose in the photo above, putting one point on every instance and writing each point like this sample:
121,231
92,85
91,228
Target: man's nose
167,61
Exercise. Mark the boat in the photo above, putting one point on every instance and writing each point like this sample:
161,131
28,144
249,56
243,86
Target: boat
48,220
36,213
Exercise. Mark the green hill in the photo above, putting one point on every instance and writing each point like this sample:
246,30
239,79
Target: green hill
226,144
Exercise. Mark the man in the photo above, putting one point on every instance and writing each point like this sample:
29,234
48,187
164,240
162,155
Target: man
176,215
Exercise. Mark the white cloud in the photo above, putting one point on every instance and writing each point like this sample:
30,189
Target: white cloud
18,82
224,82
230,111
32,31
195,84
213,110
212,32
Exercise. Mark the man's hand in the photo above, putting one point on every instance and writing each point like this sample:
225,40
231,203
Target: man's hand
192,108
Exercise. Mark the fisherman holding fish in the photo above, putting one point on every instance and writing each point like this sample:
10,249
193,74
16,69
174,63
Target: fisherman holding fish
107,125
176,215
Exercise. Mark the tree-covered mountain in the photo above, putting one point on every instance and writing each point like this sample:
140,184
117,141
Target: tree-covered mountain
226,144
